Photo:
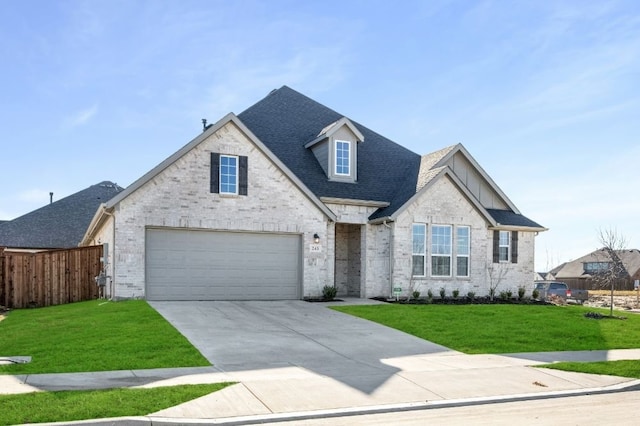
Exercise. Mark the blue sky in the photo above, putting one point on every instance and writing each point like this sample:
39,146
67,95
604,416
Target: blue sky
544,94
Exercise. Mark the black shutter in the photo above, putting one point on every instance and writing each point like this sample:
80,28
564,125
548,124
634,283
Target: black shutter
496,246
243,177
514,246
215,173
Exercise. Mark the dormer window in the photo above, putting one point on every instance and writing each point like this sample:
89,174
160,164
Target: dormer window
343,158
336,148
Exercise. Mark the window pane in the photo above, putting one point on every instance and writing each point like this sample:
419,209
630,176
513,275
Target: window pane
418,236
504,246
463,240
462,269
440,266
228,174
342,157
441,240
418,265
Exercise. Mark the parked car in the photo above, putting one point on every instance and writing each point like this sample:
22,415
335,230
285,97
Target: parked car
549,289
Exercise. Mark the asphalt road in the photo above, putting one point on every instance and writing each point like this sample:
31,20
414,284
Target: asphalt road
613,408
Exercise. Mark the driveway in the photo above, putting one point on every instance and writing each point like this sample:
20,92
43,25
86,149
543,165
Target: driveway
239,336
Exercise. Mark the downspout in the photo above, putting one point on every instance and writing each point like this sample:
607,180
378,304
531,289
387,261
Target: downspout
390,256
113,248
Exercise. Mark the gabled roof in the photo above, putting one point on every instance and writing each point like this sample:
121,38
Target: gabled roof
630,259
288,122
60,224
99,210
329,130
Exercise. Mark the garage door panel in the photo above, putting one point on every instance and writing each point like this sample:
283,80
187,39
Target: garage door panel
217,265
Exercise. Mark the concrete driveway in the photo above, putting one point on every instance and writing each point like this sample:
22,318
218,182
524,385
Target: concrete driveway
240,336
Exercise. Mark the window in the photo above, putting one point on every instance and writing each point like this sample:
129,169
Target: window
593,268
504,246
441,251
229,174
463,249
343,158
419,237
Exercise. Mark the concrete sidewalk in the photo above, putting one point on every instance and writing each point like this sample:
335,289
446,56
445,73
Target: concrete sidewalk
292,392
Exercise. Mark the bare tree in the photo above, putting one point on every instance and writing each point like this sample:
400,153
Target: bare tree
496,272
610,268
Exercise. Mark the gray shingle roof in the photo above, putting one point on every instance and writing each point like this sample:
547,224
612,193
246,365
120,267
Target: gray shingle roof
509,218
60,224
286,120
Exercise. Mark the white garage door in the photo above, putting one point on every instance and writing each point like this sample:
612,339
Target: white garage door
217,265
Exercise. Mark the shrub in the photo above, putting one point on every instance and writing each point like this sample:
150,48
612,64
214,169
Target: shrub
329,292
429,295
455,293
535,294
415,294
443,293
471,295
505,295
521,292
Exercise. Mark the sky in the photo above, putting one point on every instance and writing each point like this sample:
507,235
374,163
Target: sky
545,95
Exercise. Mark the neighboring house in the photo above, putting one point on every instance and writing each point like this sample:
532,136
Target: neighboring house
59,224
543,276
290,196
584,268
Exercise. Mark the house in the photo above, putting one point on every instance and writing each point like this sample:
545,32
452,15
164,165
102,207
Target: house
290,196
59,224
579,273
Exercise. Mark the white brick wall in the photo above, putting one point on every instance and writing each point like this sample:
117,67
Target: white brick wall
444,204
179,197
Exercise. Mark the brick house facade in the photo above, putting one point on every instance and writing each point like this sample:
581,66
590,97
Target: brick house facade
290,196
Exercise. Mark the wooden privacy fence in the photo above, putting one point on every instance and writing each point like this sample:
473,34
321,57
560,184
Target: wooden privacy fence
587,284
48,278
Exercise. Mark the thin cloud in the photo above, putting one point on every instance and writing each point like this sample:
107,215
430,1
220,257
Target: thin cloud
81,117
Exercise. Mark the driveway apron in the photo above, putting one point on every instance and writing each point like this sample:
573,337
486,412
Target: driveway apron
241,336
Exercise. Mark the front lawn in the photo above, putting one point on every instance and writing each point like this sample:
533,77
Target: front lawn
66,406
496,329
626,368
94,336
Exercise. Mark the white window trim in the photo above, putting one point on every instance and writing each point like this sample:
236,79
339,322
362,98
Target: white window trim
508,246
335,152
237,180
423,253
468,255
450,255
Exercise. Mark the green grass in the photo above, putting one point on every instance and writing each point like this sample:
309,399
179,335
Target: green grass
497,329
611,368
94,336
66,406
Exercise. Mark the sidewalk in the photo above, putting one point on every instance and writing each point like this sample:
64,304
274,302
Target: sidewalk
293,392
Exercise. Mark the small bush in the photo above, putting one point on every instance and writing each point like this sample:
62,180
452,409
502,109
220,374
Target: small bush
415,294
521,292
429,295
443,293
535,294
329,292
471,295
455,293
505,295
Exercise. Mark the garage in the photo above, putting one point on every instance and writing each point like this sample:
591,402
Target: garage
221,265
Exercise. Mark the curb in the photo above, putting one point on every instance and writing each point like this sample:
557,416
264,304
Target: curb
633,385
